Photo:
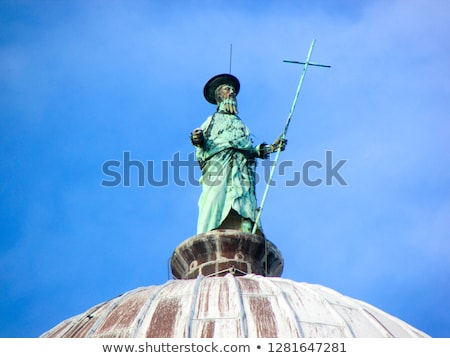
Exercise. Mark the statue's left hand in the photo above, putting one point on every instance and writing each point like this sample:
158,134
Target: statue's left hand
280,143
265,149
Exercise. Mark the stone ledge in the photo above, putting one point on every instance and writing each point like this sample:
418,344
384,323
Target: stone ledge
218,252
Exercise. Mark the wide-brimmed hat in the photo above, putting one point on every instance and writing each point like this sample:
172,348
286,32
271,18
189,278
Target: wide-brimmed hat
216,81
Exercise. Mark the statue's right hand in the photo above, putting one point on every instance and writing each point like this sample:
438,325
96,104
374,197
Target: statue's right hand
197,137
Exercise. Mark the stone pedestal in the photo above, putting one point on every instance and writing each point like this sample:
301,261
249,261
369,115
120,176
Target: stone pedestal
218,252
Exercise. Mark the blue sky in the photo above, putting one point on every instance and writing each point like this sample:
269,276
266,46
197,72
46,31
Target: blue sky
83,82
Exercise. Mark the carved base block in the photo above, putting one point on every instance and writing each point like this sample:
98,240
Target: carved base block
218,252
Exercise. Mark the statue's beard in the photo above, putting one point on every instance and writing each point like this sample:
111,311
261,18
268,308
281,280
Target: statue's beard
228,105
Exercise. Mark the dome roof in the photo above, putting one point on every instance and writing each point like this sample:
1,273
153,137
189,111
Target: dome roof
234,307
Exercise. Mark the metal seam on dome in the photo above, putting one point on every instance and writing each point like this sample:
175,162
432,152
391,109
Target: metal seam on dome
283,293
170,295
111,304
239,282
243,315
279,293
254,310
406,327
298,320
146,307
76,320
194,305
364,310
69,324
329,305
370,318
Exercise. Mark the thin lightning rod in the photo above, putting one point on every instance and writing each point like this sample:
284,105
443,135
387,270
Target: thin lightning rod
231,55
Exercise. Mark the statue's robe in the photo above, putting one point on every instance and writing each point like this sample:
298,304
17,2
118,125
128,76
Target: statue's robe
227,158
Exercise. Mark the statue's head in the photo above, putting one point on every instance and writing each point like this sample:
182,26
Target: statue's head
216,85
222,90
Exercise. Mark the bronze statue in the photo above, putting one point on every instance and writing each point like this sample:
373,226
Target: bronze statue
227,159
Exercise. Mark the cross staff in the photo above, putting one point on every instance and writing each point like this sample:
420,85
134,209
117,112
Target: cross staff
283,135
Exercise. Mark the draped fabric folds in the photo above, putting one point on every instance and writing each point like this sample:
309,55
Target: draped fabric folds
227,158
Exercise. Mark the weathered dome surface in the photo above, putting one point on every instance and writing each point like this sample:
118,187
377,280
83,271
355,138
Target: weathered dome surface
234,307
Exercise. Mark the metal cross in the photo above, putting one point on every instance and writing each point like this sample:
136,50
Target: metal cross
283,135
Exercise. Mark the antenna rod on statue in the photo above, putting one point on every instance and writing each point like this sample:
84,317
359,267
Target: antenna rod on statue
231,56
283,135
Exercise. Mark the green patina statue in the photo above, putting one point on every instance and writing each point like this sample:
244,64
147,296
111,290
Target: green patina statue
227,159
